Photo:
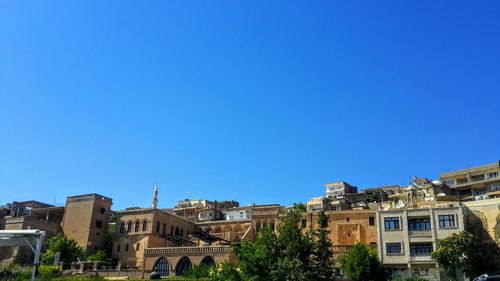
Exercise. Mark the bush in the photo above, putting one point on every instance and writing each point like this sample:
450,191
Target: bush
48,272
198,272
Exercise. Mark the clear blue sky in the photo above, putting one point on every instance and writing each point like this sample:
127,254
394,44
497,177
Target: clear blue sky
257,101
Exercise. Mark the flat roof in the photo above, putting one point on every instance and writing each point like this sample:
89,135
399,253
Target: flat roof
471,169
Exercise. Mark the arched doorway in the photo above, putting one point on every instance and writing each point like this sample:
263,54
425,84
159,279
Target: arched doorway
183,265
161,266
208,261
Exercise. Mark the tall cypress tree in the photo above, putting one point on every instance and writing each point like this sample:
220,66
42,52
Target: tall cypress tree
322,253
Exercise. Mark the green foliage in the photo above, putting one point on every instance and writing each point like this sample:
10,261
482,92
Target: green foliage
69,249
322,252
198,272
99,255
15,272
48,272
226,272
257,259
300,207
456,253
362,264
409,279
278,257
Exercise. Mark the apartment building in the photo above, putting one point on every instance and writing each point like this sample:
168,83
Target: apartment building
475,182
407,237
203,210
339,189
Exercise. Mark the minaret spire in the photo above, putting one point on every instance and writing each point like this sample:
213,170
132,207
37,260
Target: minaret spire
155,197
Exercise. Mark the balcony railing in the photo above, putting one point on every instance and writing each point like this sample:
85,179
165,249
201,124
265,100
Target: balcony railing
419,233
187,250
420,258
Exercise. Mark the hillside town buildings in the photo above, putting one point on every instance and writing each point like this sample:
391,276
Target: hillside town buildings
402,222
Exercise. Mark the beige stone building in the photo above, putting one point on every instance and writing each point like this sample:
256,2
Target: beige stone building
86,219
346,228
474,182
407,237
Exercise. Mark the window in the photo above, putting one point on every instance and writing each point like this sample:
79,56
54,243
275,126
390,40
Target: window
495,187
449,182
419,224
372,220
126,247
137,246
118,248
418,250
393,248
304,223
144,225
164,231
136,228
446,221
347,219
158,227
122,227
102,210
98,223
182,232
391,223
493,175
129,227
171,230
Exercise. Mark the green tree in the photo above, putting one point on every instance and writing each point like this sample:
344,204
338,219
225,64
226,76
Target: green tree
257,259
278,257
362,264
322,252
99,255
456,253
226,272
198,272
69,249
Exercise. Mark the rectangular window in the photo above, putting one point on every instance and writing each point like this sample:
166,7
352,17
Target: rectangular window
492,175
126,247
446,221
304,223
449,182
102,210
118,248
137,246
372,220
419,250
419,224
98,223
391,223
495,187
393,248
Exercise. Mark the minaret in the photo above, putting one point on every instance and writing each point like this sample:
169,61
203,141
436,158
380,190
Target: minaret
155,197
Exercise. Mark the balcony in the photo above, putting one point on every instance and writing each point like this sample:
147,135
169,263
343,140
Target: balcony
175,251
420,258
419,233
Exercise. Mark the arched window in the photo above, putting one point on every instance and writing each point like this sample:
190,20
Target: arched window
129,227
161,266
136,228
208,261
164,230
145,225
122,227
182,232
176,231
158,227
183,265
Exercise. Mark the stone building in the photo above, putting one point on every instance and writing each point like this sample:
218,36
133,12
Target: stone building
346,228
86,219
203,210
407,237
474,182
339,189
